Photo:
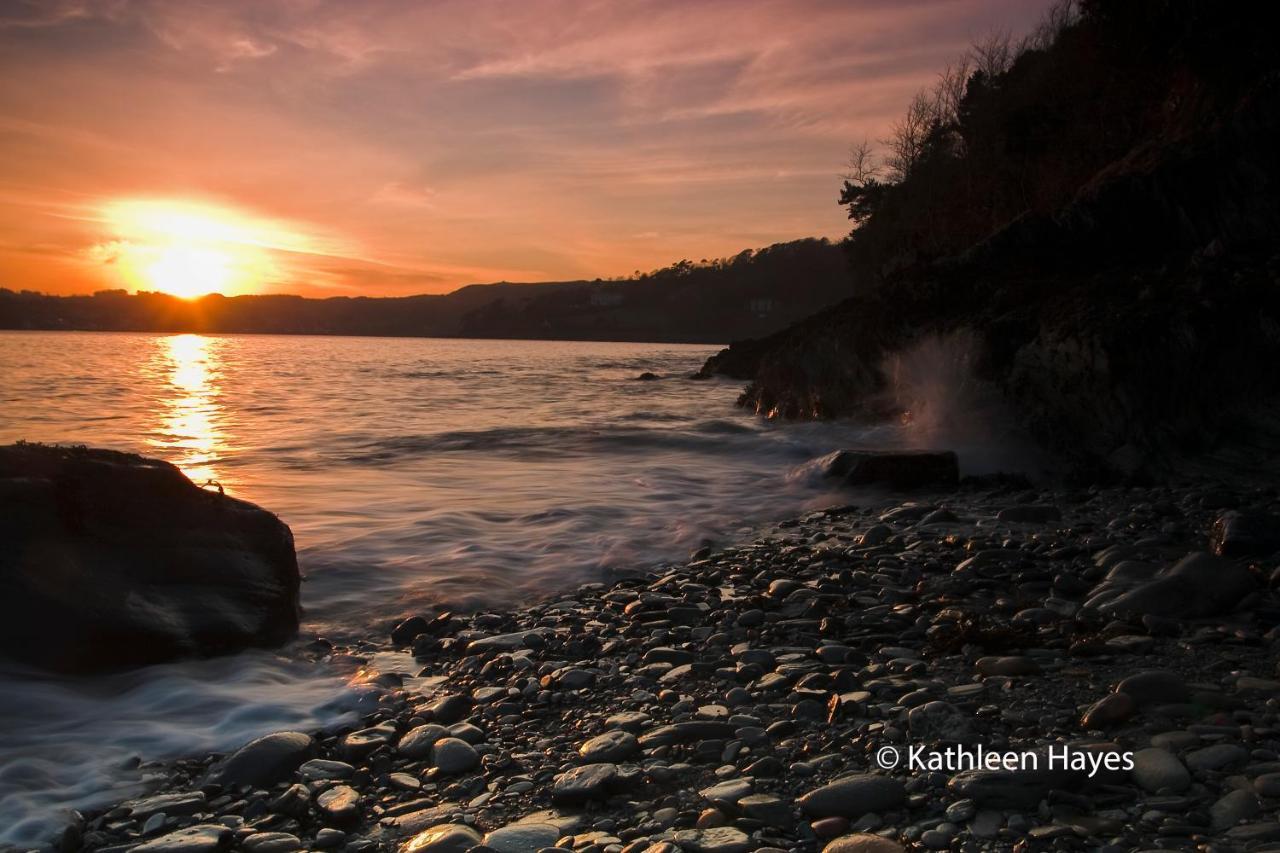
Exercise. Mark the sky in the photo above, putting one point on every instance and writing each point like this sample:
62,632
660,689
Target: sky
388,147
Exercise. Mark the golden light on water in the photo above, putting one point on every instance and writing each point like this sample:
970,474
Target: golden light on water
190,414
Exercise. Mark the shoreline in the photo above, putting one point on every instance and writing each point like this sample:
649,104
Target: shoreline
713,707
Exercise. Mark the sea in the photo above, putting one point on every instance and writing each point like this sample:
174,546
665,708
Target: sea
415,473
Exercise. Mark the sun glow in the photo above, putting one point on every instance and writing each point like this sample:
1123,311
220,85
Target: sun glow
189,250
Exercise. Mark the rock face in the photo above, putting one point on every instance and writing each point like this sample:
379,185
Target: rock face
112,560
909,469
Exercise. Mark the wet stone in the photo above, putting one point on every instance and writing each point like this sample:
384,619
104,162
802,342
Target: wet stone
588,782
339,805
453,755
201,838
609,747
442,838
523,837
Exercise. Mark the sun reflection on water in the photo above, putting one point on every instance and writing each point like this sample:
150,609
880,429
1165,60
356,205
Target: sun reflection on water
190,414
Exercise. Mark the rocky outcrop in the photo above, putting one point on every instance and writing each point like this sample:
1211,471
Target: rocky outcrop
112,560
1135,325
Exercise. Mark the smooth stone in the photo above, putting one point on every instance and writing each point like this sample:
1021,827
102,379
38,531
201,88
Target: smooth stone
1155,687
719,839
323,769
768,809
453,755
609,747
171,804
264,762
1029,514
442,838
360,744
729,791
854,796
862,842
588,782
340,805
1157,770
939,721
417,742
201,838
1236,807
1108,711
1216,757
1268,785
523,837
687,732
1011,666
503,642
271,842
575,679
450,709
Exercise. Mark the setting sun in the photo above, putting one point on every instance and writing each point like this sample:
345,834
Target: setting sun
188,271
188,250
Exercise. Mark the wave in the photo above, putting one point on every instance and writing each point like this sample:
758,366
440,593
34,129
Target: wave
92,740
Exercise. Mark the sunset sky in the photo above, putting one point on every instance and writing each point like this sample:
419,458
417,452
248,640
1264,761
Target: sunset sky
386,148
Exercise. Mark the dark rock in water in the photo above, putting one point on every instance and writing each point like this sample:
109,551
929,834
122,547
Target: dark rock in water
407,631
1198,585
265,761
908,469
647,377
1245,534
112,560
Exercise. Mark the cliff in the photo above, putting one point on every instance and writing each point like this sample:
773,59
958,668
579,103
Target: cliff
1131,323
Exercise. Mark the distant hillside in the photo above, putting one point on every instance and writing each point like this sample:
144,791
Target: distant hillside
750,294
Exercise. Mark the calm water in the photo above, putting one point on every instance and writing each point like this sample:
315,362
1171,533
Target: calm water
412,471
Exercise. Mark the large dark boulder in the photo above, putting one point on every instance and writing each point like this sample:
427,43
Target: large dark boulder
110,560
898,469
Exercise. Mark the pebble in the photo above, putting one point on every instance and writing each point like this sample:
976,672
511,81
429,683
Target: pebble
736,704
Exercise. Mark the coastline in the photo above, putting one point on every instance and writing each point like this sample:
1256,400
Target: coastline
740,701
